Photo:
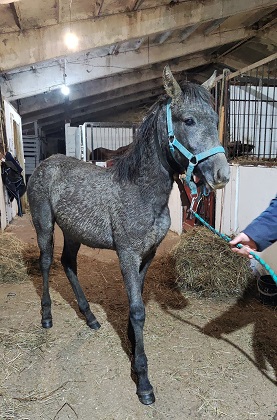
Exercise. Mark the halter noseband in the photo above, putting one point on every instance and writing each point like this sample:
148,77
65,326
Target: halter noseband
193,159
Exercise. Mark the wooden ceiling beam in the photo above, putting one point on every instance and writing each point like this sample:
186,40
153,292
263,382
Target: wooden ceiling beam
105,85
29,46
51,76
16,14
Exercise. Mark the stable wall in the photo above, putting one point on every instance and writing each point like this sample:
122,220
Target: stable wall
247,194
15,147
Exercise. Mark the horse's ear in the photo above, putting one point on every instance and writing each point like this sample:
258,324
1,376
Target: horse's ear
209,84
171,86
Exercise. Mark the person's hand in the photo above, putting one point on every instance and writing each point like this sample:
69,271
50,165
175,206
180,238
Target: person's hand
248,245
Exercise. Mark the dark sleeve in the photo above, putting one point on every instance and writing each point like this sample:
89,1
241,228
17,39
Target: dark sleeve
263,229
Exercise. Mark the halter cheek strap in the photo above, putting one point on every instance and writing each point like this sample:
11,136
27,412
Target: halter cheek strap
193,159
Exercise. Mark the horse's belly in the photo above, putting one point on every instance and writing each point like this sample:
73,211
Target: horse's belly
93,231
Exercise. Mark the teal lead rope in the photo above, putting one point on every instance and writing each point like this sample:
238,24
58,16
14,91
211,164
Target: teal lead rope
228,239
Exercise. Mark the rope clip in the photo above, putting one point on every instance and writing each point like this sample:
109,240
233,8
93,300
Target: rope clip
195,201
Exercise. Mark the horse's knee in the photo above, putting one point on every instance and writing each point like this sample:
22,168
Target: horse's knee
45,261
137,314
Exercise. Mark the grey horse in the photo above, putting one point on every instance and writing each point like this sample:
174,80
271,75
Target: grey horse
125,207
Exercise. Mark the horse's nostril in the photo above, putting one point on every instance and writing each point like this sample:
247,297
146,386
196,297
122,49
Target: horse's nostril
222,176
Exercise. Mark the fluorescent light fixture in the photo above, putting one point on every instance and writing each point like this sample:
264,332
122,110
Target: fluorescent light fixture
71,41
65,90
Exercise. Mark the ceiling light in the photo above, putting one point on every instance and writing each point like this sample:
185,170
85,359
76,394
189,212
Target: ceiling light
71,41
65,90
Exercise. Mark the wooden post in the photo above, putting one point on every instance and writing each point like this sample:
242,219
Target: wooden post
221,124
3,134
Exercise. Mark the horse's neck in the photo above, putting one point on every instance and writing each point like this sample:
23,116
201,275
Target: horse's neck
159,181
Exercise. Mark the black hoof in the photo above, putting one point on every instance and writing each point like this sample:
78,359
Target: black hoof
47,323
94,325
147,398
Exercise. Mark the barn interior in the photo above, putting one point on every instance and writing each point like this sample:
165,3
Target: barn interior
67,69
113,60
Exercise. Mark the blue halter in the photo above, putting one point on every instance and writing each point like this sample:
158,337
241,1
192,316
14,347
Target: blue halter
193,159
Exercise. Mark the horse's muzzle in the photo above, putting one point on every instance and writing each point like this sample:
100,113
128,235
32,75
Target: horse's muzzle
219,181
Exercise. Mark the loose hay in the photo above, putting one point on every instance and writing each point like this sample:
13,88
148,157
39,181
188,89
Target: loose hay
205,264
12,266
32,339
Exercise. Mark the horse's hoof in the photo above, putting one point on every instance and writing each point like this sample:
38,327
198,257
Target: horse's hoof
46,323
94,325
146,398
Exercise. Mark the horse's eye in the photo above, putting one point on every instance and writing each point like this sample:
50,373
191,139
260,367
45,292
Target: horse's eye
189,121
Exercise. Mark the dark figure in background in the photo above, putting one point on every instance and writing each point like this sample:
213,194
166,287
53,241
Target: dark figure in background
237,148
102,154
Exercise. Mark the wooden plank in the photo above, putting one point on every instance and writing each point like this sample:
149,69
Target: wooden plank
248,68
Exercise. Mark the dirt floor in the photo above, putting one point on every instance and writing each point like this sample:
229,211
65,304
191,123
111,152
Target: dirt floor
208,359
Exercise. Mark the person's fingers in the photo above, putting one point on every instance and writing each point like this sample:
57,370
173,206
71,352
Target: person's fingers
240,238
244,251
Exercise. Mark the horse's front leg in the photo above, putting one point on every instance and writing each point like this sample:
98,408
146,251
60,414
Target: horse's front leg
134,270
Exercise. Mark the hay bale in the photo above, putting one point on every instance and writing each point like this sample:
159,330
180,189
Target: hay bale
12,265
205,264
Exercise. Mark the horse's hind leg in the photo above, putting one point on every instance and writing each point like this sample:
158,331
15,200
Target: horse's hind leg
44,225
69,262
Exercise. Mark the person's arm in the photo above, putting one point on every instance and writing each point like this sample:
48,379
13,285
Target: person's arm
259,234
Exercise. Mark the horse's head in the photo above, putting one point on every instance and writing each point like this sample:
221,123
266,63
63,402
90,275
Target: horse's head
192,130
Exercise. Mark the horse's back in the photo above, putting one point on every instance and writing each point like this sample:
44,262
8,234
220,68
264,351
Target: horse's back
58,169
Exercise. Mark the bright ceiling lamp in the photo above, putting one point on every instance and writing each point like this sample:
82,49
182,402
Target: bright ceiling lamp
65,90
71,41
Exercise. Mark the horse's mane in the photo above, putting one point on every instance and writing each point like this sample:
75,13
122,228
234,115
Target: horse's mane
127,166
